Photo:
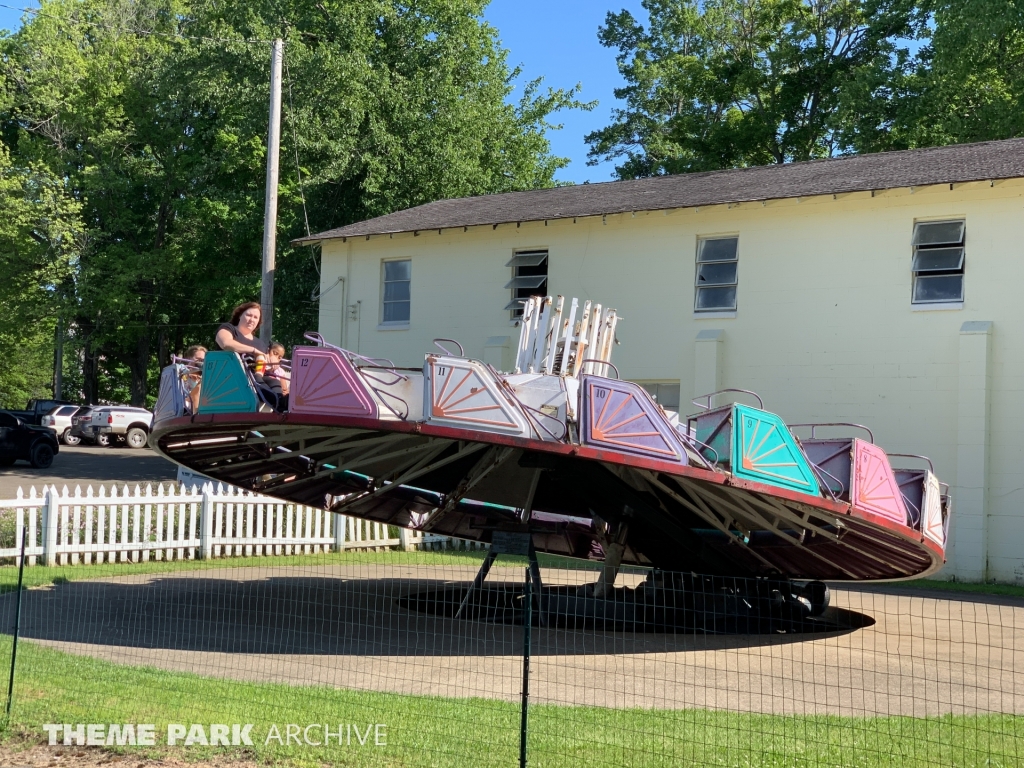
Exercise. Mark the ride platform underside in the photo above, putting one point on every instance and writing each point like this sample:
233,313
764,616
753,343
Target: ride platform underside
585,464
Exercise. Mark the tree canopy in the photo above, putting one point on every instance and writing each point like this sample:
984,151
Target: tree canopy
729,83
148,120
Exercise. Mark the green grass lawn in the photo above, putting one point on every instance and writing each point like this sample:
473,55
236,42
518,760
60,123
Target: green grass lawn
54,687
1009,590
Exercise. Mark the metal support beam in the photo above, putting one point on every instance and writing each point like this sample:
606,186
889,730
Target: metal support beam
491,460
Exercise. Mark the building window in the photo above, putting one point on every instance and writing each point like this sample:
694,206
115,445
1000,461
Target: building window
938,262
717,260
665,393
529,278
396,296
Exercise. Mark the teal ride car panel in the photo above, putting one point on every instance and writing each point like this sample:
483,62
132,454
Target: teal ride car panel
764,450
226,387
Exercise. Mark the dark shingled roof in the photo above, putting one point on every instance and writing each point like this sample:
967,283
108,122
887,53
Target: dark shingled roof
857,173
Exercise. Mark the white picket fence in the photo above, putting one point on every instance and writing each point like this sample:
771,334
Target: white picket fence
178,522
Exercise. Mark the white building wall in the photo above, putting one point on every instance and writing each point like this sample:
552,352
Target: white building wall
824,330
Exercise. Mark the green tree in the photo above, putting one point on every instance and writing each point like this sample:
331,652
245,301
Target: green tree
966,82
155,111
726,83
39,241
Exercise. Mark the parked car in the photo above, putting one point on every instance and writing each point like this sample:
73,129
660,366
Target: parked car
36,409
79,420
18,440
59,420
88,426
123,422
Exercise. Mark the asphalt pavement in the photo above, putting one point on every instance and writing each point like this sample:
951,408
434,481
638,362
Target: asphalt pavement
87,464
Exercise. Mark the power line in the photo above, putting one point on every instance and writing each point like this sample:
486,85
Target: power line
298,170
145,32
295,144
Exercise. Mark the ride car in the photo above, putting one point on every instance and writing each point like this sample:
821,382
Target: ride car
29,442
125,423
59,420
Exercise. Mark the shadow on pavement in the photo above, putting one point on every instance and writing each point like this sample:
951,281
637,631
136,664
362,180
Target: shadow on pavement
304,615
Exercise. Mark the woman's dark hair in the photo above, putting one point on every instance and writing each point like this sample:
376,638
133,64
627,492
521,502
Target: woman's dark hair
236,313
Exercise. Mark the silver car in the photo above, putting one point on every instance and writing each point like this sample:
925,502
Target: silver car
59,421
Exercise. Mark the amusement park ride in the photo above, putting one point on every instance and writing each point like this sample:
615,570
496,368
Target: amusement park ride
561,456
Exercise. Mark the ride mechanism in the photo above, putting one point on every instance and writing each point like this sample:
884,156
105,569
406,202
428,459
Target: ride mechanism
560,456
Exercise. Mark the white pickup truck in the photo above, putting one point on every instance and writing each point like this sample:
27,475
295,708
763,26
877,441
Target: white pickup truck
133,424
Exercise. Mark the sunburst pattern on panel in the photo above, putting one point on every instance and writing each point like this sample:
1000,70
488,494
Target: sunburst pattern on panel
225,387
322,382
876,488
931,514
460,394
768,453
620,417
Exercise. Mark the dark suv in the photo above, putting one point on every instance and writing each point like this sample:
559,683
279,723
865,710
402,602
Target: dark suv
18,440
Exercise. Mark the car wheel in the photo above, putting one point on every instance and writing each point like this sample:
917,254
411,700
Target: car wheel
137,437
41,456
103,440
70,439
7,462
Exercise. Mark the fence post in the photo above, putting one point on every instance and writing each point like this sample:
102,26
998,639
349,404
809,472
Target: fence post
406,540
206,523
525,701
339,531
51,505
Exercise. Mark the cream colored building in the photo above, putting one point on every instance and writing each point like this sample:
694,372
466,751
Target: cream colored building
829,323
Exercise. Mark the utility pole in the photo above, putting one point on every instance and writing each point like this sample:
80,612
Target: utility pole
58,361
270,206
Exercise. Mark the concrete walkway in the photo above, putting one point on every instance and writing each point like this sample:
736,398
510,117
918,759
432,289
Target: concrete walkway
342,627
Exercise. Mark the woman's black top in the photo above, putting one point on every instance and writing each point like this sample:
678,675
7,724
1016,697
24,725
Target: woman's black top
237,336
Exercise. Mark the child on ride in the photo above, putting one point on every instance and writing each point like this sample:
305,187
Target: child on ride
275,370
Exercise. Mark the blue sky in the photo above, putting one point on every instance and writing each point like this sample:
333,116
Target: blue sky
556,39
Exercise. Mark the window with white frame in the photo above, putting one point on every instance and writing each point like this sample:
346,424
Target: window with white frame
715,282
938,263
529,278
396,293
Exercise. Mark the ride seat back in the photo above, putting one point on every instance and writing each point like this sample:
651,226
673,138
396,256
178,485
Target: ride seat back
911,483
227,386
325,382
621,415
755,445
833,457
170,402
459,392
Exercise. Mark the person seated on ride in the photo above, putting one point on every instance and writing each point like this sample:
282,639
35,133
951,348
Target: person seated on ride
275,370
193,375
238,336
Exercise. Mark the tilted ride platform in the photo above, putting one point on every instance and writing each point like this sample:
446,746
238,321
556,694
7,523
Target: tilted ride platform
564,451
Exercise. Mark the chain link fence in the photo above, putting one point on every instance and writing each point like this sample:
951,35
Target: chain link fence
389,658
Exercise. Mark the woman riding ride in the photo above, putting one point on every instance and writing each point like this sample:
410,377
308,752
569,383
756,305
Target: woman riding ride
239,336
